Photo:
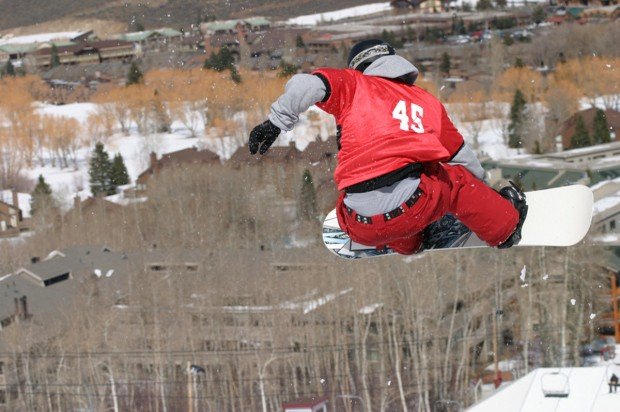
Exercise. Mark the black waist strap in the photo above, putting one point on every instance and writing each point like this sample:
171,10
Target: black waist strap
413,169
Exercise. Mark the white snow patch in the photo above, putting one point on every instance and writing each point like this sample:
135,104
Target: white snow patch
313,19
370,309
587,391
5,277
39,38
523,272
573,302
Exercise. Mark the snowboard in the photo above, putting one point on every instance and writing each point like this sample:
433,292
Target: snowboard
556,217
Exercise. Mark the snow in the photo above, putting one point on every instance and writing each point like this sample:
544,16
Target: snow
77,111
5,277
357,11
39,38
606,203
370,309
587,391
6,196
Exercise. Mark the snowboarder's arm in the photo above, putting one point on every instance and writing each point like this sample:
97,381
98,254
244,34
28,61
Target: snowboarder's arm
462,153
301,92
467,158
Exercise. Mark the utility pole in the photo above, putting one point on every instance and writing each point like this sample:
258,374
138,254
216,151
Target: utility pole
498,377
190,387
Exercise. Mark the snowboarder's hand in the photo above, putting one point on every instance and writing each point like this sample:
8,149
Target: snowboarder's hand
263,136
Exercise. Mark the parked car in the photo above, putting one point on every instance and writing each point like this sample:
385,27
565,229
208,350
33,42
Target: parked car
605,347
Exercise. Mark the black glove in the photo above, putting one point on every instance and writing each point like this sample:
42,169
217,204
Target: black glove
263,136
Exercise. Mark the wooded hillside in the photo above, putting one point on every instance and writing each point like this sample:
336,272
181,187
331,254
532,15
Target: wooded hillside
176,13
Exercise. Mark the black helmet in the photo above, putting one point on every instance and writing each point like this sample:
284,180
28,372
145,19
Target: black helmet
367,51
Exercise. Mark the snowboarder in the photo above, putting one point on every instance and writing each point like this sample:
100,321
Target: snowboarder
401,162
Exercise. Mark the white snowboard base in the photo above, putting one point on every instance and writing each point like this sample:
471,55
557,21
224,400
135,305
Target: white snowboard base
556,217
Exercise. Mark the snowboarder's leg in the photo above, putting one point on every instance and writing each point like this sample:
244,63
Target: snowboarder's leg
403,231
484,211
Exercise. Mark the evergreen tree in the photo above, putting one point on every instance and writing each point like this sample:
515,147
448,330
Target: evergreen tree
601,129
307,208
220,61
299,42
519,63
287,69
484,5
135,75
515,127
41,196
118,171
391,38
234,75
99,172
581,137
55,59
9,69
445,65
539,15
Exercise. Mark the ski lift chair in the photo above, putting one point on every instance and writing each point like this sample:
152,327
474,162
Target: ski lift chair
555,385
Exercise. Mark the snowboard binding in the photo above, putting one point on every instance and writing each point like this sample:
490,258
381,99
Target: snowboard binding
515,196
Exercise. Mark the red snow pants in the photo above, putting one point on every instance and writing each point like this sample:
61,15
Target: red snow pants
445,189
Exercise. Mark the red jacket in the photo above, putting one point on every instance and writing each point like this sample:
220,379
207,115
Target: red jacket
385,125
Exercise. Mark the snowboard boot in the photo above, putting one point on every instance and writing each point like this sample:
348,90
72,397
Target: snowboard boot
515,196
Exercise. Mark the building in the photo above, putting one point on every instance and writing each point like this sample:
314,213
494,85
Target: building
179,159
87,52
567,130
153,40
11,216
252,24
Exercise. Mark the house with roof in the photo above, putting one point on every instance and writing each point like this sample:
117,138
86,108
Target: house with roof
251,24
180,159
86,52
11,216
568,128
153,40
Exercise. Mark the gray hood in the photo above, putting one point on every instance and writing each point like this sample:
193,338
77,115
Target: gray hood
391,67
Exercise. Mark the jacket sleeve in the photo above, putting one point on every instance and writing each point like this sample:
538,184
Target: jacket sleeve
341,86
300,92
462,154
467,158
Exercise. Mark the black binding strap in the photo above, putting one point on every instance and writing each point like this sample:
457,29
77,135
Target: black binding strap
412,169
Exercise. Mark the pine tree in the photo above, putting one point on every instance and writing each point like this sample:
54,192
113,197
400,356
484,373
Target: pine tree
515,127
234,75
445,64
55,59
135,75
99,172
287,69
41,196
220,61
118,171
307,208
299,42
9,69
601,129
581,137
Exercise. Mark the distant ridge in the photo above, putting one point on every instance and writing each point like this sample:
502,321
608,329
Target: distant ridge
158,13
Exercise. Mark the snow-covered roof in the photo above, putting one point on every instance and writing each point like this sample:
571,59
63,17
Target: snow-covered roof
586,389
39,38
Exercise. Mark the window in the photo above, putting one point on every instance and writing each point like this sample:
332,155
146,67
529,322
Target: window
1,368
612,225
56,279
2,397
